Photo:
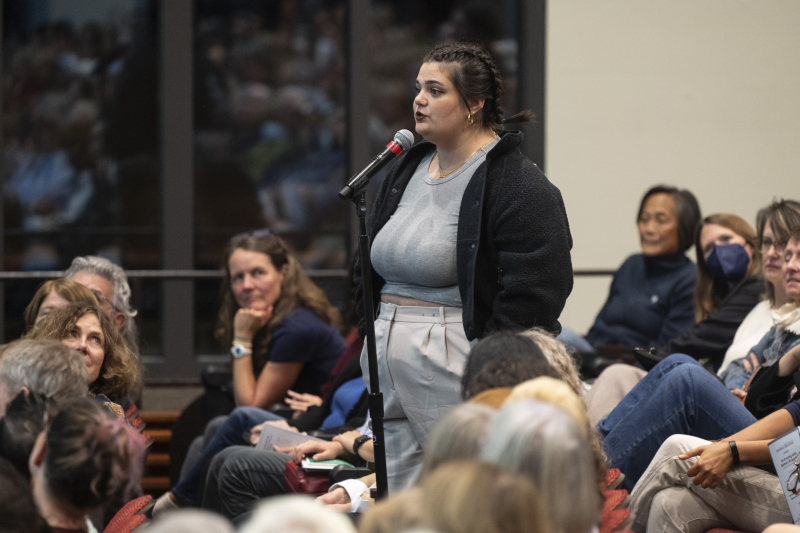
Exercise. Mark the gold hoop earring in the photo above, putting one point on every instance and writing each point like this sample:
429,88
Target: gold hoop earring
470,119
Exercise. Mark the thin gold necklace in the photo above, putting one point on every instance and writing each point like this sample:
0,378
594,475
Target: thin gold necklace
445,173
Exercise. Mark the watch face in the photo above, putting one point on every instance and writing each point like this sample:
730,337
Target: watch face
237,350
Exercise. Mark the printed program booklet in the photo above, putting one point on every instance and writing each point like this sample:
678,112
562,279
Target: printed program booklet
785,452
272,436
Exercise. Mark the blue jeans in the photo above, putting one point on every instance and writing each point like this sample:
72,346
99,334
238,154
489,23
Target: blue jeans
676,396
240,421
576,340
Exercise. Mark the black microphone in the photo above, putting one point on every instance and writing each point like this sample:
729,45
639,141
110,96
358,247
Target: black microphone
403,140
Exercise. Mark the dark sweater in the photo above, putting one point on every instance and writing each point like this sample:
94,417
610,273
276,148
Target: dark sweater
712,337
513,241
649,303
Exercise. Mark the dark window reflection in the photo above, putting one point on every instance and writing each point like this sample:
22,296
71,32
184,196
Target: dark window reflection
269,134
80,143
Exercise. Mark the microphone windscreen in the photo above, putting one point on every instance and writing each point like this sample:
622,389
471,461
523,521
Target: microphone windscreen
404,138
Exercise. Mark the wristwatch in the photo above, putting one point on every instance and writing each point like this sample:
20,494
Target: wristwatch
359,442
239,351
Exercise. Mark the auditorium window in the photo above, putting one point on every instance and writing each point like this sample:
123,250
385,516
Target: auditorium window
80,145
269,137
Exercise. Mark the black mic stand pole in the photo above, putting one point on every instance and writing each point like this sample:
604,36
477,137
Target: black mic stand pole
375,395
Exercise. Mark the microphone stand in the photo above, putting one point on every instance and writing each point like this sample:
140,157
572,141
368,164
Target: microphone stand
375,394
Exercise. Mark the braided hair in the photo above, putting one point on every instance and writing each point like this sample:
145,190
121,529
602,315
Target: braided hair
475,76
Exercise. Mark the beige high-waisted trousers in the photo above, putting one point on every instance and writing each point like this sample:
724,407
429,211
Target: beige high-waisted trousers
421,356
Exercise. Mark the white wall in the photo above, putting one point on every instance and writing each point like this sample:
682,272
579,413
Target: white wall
701,94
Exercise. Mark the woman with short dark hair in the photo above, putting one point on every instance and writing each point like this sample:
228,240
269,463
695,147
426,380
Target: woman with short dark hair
650,300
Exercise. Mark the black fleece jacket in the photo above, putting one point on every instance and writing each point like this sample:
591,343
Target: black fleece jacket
513,241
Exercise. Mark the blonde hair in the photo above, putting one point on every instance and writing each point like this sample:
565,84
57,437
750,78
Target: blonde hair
559,357
396,514
476,497
71,291
556,392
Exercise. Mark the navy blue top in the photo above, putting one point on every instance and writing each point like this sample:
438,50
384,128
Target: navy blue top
302,337
794,410
650,302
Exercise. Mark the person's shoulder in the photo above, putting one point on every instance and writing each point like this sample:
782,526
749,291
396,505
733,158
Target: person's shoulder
304,321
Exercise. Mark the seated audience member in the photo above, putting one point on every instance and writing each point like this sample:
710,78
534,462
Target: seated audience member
279,326
557,392
679,397
295,514
458,435
559,357
464,497
22,423
720,305
729,285
487,368
110,364
55,293
347,402
650,300
238,476
18,511
774,225
109,284
43,367
541,441
82,460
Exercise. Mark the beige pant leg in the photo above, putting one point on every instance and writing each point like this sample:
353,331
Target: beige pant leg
610,388
748,498
420,369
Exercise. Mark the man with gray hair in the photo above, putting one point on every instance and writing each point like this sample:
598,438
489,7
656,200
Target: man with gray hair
44,367
109,284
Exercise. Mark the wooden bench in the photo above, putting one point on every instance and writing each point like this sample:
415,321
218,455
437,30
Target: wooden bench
158,426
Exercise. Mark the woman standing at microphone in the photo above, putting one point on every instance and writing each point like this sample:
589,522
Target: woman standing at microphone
468,237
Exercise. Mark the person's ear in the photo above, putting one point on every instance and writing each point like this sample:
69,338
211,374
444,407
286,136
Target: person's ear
285,269
476,105
119,320
24,390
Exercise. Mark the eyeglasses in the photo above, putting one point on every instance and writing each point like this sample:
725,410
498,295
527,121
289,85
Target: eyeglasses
257,233
102,300
767,243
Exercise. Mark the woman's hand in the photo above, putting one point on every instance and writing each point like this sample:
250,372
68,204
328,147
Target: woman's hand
751,364
255,434
712,465
300,402
337,499
247,322
740,394
319,450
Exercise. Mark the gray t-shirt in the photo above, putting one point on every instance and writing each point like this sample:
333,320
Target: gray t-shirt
415,252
